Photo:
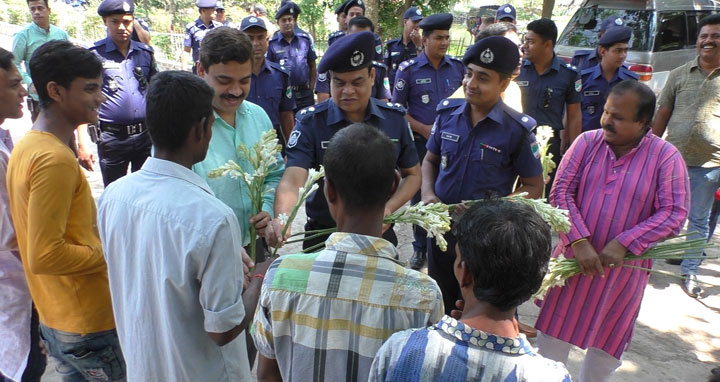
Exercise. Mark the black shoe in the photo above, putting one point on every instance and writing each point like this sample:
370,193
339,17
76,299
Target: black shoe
417,260
691,286
674,261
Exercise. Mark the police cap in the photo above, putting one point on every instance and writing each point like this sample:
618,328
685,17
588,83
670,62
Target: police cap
354,3
219,6
288,8
506,11
341,8
349,53
495,53
413,13
113,7
610,22
206,3
252,21
441,21
615,35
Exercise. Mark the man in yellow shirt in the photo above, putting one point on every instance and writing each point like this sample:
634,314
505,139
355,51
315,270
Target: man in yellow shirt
55,219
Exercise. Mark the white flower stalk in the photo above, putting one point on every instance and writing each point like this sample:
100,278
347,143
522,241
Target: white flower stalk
543,136
557,218
559,270
433,217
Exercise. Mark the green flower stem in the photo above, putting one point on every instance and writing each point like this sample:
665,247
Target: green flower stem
314,248
665,273
313,234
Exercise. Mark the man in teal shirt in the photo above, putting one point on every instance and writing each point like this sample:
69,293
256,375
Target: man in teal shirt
30,38
226,65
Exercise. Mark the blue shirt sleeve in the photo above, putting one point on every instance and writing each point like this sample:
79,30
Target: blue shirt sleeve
525,163
302,152
400,93
408,153
287,102
433,143
573,91
187,41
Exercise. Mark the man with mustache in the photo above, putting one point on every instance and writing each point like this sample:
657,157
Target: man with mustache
626,189
689,110
26,41
120,131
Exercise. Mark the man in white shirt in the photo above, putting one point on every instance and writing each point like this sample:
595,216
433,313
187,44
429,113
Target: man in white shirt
174,251
20,356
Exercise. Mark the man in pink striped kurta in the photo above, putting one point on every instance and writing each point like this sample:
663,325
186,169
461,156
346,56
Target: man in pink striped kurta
626,189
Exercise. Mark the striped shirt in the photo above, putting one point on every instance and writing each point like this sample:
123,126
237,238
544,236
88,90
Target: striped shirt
324,315
638,199
451,351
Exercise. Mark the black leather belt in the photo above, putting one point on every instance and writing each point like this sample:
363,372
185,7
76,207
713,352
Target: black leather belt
300,88
126,130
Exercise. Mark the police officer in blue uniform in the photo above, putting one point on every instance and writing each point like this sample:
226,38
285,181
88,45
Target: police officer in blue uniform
294,51
297,28
270,82
352,9
549,86
196,30
599,79
348,62
506,14
586,58
420,84
342,23
128,68
478,146
408,46
381,86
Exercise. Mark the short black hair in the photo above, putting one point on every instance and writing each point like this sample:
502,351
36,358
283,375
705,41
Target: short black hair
224,44
713,19
361,22
497,29
360,164
176,100
6,59
61,62
545,28
506,246
645,99
44,1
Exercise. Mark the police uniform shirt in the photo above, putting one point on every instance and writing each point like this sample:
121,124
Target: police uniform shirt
485,157
293,55
125,81
270,89
585,58
332,37
595,90
315,125
194,33
380,89
544,95
395,53
421,87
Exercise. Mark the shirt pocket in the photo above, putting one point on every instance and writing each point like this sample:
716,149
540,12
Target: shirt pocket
449,153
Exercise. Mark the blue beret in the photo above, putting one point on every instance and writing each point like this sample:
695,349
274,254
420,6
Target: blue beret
352,52
506,11
113,7
341,8
496,53
206,3
437,21
610,22
288,8
252,21
413,13
354,3
615,35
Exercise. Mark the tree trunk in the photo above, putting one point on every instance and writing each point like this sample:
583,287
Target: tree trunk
547,10
371,11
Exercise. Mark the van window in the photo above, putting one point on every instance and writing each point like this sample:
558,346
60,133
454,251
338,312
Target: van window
693,19
672,32
582,29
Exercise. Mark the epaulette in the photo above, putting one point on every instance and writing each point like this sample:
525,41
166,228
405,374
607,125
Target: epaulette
217,23
379,64
303,35
310,111
145,47
582,52
449,103
97,44
190,25
455,58
279,67
392,41
628,73
405,64
587,70
524,120
570,67
389,105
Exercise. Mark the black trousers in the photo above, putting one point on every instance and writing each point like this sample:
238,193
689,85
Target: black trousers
117,152
441,268
313,225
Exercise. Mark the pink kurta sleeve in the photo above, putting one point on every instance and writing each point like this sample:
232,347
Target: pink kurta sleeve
565,188
672,202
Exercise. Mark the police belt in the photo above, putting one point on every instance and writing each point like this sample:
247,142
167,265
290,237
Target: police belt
122,130
300,88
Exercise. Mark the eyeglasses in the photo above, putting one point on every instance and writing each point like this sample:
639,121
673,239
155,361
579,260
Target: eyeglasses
140,77
546,97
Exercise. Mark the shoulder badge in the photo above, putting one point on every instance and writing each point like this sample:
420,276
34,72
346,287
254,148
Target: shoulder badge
389,105
524,120
449,104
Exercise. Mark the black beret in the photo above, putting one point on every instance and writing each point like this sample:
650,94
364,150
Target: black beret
341,8
288,8
441,21
352,52
354,3
113,7
615,35
495,53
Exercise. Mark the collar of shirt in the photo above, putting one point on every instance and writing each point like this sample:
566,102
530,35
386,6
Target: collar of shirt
40,30
242,109
645,139
422,59
174,170
597,73
555,65
265,68
336,115
593,54
110,46
362,244
495,114
280,38
487,341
